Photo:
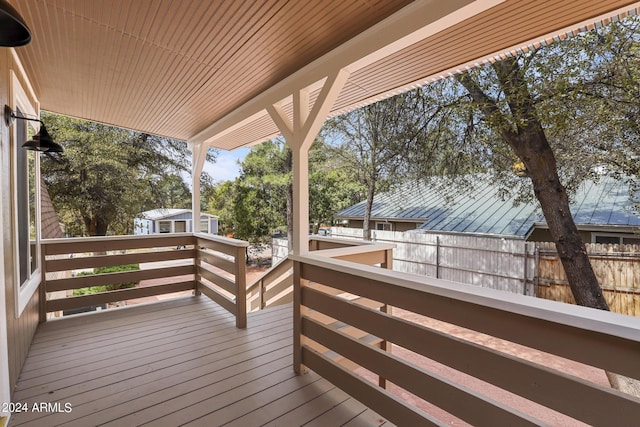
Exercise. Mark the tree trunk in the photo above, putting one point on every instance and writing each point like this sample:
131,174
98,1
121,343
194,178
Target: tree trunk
539,160
366,225
524,133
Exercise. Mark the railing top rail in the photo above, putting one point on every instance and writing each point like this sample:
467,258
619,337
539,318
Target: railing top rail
625,327
342,241
273,270
226,240
71,240
352,250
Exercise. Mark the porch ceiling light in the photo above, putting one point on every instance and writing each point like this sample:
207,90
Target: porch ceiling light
13,31
41,141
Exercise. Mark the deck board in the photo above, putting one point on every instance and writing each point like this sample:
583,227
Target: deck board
178,362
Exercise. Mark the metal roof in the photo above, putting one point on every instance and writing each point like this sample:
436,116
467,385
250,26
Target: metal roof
206,70
481,210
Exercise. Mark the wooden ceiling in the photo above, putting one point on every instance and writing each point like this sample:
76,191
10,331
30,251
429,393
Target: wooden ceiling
202,70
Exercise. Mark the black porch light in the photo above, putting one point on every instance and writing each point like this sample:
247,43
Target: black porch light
41,141
13,31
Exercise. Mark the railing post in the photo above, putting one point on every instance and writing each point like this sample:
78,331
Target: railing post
42,289
261,294
385,345
297,319
241,288
196,263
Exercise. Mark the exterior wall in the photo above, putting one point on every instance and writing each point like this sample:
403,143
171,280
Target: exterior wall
354,223
404,226
543,235
20,329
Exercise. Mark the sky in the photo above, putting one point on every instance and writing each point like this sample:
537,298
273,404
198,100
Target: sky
226,166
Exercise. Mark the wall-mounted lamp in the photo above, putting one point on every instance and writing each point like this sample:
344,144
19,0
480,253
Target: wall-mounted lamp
41,141
13,31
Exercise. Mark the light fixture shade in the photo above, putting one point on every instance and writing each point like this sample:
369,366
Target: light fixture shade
42,141
13,31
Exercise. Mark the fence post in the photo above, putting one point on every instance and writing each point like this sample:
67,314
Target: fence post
437,257
524,283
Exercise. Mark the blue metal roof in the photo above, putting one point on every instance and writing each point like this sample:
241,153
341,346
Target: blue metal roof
483,210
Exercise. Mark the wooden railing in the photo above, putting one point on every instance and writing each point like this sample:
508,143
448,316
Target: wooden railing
601,339
203,263
221,273
275,286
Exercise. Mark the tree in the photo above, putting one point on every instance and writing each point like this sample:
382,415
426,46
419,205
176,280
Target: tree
173,192
107,175
518,124
370,141
332,187
259,201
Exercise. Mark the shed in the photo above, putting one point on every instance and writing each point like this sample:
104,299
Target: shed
173,221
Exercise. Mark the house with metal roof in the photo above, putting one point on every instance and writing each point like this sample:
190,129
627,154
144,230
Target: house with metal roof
173,221
601,209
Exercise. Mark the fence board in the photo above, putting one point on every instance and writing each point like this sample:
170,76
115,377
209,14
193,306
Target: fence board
617,268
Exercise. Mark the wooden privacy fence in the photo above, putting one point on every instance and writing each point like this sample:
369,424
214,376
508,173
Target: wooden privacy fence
528,268
617,268
204,263
495,263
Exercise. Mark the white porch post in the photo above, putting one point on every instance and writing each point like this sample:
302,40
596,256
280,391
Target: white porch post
199,154
300,134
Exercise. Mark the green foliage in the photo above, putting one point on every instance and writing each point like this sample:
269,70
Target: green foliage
107,175
105,288
255,205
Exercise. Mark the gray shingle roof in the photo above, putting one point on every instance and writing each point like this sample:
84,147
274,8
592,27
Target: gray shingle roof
484,211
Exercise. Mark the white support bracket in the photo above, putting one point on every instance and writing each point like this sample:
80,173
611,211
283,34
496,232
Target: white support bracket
300,134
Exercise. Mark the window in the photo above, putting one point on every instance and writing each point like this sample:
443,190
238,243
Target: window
25,178
164,226
616,239
25,199
204,225
180,226
384,226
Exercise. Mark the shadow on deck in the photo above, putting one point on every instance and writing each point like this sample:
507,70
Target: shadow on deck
178,362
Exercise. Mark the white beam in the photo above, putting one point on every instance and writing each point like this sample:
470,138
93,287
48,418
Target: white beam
199,154
300,134
281,120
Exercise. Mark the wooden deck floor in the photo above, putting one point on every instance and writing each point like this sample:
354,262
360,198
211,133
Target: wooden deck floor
179,362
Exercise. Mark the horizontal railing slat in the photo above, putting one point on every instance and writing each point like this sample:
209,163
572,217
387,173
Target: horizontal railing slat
113,260
218,298
216,246
113,243
464,402
218,280
279,287
591,403
118,295
116,278
216,261
387,405
544,334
